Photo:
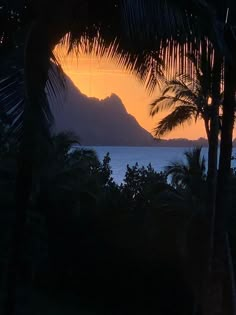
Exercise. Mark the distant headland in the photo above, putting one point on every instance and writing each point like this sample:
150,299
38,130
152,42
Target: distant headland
107,123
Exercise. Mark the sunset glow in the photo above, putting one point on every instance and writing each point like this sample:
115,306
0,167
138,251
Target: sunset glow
99,77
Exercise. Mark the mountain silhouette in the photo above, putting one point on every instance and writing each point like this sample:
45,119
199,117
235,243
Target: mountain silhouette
99,122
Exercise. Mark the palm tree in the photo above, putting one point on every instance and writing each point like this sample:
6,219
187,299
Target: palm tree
66,174
187,101
191,96
191,174
177,24
227,49
85,28
44,30
221,33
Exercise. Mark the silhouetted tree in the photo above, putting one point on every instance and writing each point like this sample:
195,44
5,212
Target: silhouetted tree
189,97
152,32
227,48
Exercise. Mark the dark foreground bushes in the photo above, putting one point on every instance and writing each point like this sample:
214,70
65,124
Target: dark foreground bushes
133,248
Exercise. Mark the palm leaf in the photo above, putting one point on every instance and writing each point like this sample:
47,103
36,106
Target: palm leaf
168,18
12,100
12,95
174,93
189,173
177,171
177,117
195,161
173,28
167,102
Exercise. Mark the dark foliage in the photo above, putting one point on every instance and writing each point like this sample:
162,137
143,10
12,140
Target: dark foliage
113,246
133,248
96,232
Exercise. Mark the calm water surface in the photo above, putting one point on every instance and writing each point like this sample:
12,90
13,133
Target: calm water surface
159,157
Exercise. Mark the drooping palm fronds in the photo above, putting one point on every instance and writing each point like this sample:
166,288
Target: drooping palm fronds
189,172
12,99
64,141
12,96
174,29
179,116
91,27
173,93
186,101
17,18
196,91
176,19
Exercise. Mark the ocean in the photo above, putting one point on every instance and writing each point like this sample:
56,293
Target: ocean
159,157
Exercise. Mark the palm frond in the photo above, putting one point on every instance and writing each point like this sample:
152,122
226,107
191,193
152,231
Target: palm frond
55,85
173,18
189,173
173,28
12,100
177,170
195,160
12,95
64,141
98,28
167,102
182,91
177,117
144,63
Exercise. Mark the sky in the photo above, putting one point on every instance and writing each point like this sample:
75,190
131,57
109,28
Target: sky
99,77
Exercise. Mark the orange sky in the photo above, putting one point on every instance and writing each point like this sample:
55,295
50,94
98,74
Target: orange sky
101,77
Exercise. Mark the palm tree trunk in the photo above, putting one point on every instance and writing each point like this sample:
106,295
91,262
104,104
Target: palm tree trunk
20,264
207,129
221,288
225,172
43,35
222,252
213,149
227,127
208,306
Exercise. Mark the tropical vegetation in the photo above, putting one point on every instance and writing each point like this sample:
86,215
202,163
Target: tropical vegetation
148,38
102,243
189,97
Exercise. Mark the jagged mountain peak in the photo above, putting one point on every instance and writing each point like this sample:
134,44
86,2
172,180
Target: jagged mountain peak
99,122
115,104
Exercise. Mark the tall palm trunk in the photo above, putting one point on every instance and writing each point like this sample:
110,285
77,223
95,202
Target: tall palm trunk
36,73
208,298
227,127
207,129
213,146
223,259
221,289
